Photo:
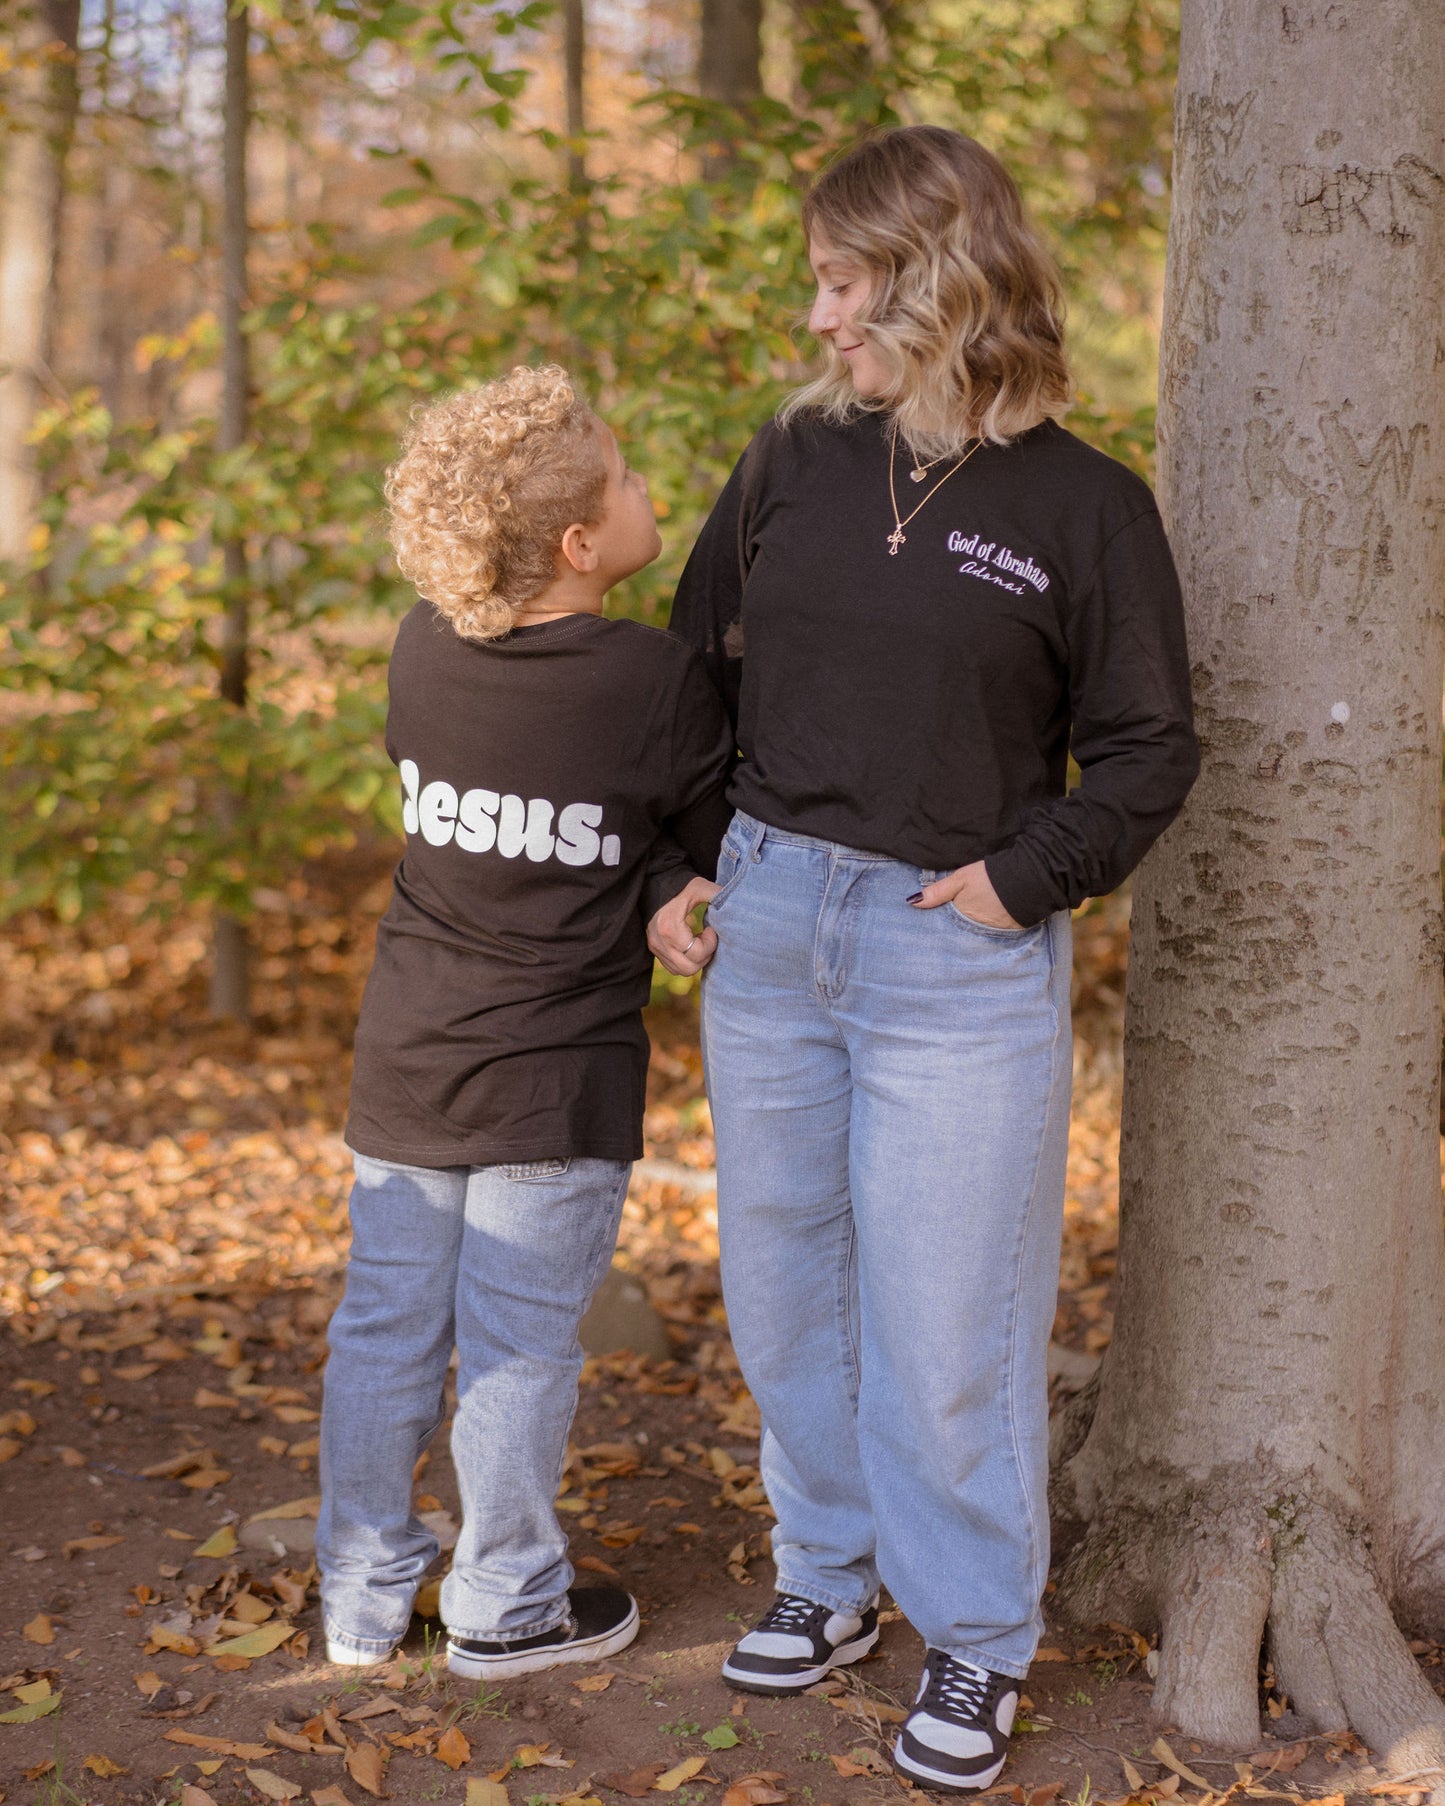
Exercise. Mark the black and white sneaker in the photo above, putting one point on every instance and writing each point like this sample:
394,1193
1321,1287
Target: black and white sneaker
602,1621
956,1737
795,1644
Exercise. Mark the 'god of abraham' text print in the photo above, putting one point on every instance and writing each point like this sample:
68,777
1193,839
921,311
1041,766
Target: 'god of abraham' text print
479,821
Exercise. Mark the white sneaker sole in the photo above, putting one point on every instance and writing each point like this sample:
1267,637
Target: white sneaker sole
342,1657
532,1661
940,1781
800,1681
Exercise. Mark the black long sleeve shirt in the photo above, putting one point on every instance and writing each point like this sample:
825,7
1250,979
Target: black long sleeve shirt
540,776
923,703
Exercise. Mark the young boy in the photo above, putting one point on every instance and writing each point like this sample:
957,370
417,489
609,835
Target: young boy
562,774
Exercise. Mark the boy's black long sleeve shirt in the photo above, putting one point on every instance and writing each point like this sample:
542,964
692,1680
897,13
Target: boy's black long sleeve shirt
923,703
540,773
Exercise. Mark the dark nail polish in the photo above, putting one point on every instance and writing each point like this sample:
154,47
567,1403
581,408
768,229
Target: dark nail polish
917,897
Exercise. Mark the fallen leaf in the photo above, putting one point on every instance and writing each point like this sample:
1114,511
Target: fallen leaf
373,1708
102,1766
205,1478
179,1536
29,1691
219,1746
86,1545
31,1710
254,1643
868,1709
721,1737
38,1630
1162,1751
293,1740
622,1536
366,1764
293,1508
149,1682
36,1388
1132,1777
191,1795
139,1370
428,1602
453,1748
594,1683
594,1564
862,1761
9,1448
273,1786
70,1457
329,1796
538,1755
164,1636
637,1784
1051,1655
248,1609
485,1793
219,1544
674,1777
848,1768
1045,1795
755,1790
18,1423
206,1400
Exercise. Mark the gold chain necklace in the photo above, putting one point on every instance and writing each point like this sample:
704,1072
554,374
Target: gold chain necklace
898,537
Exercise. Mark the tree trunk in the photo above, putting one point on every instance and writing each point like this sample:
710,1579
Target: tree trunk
1262,1458
230,986
729,63
45,100
729,66
574,61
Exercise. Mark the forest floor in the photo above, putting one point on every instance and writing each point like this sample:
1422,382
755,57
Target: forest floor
172,1233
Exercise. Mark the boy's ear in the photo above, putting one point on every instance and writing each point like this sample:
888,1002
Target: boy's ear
579,549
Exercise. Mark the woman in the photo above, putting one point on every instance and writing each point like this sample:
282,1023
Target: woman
916,593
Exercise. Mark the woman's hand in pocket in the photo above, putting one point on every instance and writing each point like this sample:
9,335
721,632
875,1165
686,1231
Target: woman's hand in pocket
671,936
969,891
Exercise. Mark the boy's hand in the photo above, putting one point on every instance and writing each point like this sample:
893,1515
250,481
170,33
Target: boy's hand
671,936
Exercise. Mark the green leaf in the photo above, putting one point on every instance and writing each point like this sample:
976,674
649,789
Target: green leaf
721,1737
36,1708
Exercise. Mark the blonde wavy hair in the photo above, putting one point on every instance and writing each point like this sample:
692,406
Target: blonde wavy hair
488,481
966,308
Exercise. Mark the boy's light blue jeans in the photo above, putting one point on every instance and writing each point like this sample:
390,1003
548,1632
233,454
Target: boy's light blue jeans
890,1095
500,1262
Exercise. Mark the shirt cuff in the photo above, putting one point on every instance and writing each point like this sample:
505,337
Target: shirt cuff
1014,877
661,885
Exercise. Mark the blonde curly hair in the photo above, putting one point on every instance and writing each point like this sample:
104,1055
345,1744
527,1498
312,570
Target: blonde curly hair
488,481
967,309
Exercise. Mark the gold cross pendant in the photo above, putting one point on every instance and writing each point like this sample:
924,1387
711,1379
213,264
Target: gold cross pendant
895,539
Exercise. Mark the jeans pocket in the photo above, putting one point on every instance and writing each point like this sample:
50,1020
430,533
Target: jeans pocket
732,864
535,1169
988,929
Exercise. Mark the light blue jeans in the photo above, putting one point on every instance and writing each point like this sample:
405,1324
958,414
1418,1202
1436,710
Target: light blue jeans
500,1262
890,1094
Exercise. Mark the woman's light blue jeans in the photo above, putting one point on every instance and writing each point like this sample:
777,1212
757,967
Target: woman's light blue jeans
890,1094
500,1262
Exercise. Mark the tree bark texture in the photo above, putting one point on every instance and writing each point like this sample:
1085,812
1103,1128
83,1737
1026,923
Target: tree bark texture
729,67
1262,1457
45,101
230,987
729,63
574,61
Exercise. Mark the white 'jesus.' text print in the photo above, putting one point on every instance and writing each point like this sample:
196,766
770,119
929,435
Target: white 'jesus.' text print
479,820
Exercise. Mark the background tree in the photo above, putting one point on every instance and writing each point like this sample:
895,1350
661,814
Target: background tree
230,989
1264,1456
43,103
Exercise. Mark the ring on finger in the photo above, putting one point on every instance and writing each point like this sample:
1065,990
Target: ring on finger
689,947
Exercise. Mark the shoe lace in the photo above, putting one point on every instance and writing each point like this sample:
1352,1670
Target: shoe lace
957,1688
788,1613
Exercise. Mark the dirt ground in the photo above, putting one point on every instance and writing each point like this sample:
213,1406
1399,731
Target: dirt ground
172,1229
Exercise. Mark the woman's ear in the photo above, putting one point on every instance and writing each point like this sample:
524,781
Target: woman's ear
580,549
